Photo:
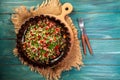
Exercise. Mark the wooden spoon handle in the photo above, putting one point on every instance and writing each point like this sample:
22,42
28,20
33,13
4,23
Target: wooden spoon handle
84,44
88,44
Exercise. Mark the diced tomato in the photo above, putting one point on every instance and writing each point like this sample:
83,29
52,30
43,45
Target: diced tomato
47,27
35,28
46,33
56,47
57,29
39,36
45,38
38,53
51,39
25,43
45,54
54,38
44,48
51,24
32,48
47,22
32,34
24,46
41,41
41,26
38,48
53,56
28,45
39,22
58,53
46,45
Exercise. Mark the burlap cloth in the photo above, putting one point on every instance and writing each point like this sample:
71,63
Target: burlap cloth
73,59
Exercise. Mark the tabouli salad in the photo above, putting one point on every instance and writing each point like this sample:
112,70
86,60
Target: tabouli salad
44,41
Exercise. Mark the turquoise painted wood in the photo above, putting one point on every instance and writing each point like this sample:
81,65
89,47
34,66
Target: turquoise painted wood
102,22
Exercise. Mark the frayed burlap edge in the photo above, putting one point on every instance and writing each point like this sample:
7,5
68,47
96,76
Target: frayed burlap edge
73,59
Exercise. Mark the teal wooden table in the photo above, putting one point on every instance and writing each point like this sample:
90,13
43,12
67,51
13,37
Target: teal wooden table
102,21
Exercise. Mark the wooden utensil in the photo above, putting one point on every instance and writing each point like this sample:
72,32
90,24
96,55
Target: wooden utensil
85,39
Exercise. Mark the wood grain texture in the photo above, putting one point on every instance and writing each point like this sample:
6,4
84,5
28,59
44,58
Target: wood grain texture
89,72
97,25
102,23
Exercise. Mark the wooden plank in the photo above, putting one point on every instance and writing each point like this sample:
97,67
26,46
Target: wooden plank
101,26
7,31
5,17
106,52
6,26
79,5
91,72
10,60
18,72
6,47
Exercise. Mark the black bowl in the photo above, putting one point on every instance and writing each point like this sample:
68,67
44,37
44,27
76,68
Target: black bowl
21,38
